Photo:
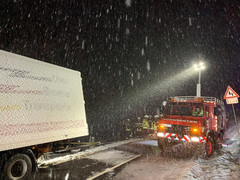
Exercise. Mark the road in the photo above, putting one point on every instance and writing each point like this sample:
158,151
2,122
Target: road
180,161
85,168
90,166
174,163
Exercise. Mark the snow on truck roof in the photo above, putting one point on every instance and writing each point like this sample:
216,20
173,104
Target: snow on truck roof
197,99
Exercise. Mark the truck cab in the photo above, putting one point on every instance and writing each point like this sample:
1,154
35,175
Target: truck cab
193,119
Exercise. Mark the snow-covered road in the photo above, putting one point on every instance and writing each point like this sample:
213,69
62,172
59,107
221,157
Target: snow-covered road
155,167
174,163
181,161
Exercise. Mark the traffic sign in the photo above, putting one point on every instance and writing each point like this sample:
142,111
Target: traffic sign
232,100
230,93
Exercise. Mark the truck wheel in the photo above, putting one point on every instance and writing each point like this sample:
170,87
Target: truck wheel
18,167
209,147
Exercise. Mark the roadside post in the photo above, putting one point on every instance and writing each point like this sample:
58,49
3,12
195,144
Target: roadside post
232,98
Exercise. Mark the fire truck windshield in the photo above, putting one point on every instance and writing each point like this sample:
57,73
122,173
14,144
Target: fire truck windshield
185,109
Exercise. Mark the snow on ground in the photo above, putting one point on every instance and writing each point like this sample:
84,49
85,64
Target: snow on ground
154,167
232,132
173,164
218,167
150,143
112,156
224,166
43,161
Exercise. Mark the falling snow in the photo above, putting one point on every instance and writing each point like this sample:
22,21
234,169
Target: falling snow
190,21
128,3
148,66
142,52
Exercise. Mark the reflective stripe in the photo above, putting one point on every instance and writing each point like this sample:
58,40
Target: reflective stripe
165,134
185,137
203,139
178,138
168,135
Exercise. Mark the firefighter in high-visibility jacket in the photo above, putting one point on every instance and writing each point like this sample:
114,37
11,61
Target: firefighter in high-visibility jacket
128,129
138,128
145,125
198,112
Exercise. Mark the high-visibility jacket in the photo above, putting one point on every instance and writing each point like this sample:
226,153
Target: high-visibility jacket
138,126
145,124
195,113
127,127
153,125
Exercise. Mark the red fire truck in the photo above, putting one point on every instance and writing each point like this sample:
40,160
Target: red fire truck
193,119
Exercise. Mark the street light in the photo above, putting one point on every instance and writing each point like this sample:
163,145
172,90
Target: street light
199,67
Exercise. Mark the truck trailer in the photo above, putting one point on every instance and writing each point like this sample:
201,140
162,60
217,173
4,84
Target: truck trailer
200,120
40,104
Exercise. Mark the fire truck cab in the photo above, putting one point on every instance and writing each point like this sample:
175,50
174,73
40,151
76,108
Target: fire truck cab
193,119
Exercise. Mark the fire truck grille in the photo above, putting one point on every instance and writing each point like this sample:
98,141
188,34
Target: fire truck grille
177,129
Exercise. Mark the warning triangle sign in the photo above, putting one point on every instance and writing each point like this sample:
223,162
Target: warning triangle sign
230,93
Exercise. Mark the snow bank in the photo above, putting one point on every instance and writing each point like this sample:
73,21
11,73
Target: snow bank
224,166
232,132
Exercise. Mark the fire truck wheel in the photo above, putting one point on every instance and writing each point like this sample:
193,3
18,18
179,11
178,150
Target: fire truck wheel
209,147
18,167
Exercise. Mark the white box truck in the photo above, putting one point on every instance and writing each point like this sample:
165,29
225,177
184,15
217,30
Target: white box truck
40,103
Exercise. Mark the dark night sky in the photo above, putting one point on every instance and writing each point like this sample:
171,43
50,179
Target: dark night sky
123,47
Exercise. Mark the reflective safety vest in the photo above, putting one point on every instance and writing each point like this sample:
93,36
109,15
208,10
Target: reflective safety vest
138,126
153,125
145,124
127,126
195,113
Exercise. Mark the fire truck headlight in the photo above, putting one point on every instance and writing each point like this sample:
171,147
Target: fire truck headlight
194,139
160,134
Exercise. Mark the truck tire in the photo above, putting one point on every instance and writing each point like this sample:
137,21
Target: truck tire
209,147
18,167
